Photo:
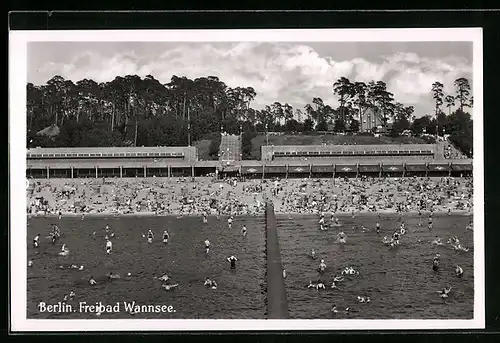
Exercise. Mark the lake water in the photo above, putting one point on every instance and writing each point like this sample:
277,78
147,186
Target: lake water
240,293
399,281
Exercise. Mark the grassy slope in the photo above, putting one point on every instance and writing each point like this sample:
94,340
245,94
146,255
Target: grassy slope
260,140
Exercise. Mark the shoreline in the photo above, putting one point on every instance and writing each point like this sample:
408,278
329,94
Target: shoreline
153,214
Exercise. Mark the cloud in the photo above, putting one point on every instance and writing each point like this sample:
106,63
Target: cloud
284,72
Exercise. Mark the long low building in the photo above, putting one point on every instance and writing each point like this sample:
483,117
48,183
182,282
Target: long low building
160,153
253,169
183,161
374,152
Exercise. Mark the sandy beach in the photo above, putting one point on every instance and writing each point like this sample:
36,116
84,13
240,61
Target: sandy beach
187,196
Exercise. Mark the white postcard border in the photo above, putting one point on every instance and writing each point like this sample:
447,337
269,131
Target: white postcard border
17,146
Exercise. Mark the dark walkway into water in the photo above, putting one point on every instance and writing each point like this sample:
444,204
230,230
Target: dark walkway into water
277,306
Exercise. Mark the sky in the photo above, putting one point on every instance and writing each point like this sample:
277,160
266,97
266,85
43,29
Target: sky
289,72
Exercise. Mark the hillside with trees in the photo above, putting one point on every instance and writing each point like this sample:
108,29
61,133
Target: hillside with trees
135,111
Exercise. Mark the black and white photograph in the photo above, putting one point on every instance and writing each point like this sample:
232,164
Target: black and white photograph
246,180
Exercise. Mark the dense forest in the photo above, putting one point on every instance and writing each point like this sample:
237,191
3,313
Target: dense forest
135,111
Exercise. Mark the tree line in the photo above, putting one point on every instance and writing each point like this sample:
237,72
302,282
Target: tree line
135,111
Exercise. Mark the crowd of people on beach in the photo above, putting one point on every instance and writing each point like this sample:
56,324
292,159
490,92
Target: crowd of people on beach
233,196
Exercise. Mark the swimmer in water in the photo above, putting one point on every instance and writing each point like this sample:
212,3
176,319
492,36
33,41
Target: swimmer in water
244,230
435,264
208,282
165,237
232,260
170,287
311,285
386,240
150,236
444,292
322,223
437,241
402,229
322,266
320,285
36,240
92,281
207,246
93,235
53,237
363,299
341,237
338,279
109,246
112,276
313,254
30,263
333,285
164,277
395,238
459,271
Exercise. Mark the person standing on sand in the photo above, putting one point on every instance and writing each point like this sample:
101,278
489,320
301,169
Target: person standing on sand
207,246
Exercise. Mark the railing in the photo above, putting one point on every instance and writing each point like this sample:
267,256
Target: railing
351,153
34,156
